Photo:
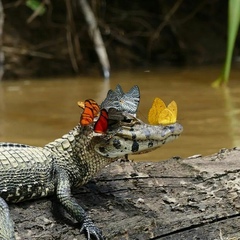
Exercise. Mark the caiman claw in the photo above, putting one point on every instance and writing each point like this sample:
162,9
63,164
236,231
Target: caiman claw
92,231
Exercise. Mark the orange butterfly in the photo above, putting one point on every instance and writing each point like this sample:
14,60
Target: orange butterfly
159,113
101,125
90,111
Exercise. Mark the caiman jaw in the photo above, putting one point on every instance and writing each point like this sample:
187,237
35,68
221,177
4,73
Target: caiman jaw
139,138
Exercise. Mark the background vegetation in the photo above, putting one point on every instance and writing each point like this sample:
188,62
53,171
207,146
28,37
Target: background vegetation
135,34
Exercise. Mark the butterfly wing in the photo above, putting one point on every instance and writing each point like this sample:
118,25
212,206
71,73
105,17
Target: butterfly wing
153,116
92,104
166,117
112,100
157,107
119,100
119,91
114,118
81,104
115,114
172,106
130,100
90,111
134,92
86,117
101,125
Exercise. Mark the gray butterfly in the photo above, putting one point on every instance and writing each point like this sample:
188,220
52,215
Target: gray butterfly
123,102
130,100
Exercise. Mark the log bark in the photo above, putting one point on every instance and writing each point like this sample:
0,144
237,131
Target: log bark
193,198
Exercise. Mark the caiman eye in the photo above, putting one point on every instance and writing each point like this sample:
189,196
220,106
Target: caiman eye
127,120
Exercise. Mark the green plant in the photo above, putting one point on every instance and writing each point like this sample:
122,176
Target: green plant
36,6
233,25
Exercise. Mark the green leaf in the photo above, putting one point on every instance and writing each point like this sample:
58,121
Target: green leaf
35,5
233,25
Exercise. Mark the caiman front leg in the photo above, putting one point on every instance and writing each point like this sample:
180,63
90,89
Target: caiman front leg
70,204
6,223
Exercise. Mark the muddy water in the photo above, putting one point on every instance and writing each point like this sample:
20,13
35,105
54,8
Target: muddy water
38,111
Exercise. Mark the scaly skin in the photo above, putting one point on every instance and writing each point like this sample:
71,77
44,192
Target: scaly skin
28,172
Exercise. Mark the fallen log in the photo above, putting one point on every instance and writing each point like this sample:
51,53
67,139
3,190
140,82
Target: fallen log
193,198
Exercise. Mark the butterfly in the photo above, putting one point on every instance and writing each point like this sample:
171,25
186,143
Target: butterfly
159,113
90,110
126,102
108,120
101,125
130,100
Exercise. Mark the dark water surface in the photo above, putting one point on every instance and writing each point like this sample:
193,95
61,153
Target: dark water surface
36,112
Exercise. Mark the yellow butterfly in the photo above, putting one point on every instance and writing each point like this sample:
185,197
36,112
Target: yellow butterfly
160,114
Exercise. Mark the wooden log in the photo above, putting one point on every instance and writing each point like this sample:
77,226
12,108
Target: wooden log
193,198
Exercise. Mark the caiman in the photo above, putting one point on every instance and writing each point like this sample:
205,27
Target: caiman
28,172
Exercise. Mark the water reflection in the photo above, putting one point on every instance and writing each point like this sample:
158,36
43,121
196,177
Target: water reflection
38,111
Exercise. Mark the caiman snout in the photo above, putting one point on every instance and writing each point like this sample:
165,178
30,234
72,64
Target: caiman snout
175,128
138,139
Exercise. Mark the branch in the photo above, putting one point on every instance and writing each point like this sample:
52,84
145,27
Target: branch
96,37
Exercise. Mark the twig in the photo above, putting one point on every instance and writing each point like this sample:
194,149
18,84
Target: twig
37,11
14,4
69,37
22,51
163,24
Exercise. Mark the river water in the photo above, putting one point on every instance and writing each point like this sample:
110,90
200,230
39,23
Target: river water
36,112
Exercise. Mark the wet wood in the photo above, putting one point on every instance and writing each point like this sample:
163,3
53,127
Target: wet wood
193,198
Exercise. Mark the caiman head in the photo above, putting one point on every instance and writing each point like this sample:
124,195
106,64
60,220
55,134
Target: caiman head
135,138
125,133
